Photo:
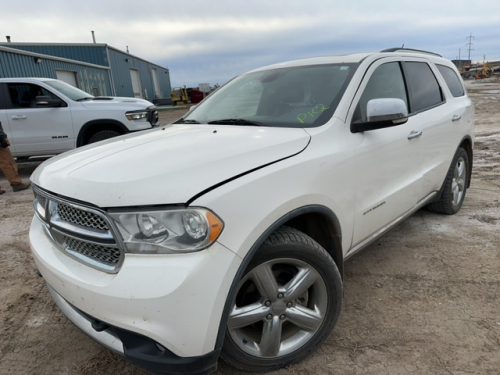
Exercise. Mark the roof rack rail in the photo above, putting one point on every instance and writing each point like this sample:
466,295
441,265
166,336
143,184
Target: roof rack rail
397,49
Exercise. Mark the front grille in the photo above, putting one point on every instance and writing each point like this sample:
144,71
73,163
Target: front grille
80,217
97,252
154,117
41,200
85,233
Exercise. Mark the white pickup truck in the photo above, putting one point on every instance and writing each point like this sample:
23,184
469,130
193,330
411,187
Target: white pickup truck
43,116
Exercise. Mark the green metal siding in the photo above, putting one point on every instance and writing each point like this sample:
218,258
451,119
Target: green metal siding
88,53
164,80
18,65
120,69
98,54
121,73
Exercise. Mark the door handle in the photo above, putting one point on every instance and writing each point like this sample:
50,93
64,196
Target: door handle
456,118
19,117
414,134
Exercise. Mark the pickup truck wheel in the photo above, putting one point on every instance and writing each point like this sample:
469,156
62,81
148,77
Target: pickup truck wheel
455,186
102,135
286,304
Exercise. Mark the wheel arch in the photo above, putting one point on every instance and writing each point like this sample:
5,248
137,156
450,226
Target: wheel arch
318,222
467,145
91,127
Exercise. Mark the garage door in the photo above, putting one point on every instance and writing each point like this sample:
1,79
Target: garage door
67,76
136,83
156,83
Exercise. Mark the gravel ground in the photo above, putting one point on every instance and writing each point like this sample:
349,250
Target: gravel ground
423,299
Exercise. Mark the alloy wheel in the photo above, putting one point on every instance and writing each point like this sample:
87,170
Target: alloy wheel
280,305
458,182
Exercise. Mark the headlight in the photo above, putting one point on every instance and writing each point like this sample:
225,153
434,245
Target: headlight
169,231
137,116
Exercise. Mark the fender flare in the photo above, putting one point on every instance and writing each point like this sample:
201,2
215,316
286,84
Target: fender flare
441,189
83,130
256,246
471,156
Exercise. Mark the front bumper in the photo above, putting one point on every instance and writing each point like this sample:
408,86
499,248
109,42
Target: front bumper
173,300
139,350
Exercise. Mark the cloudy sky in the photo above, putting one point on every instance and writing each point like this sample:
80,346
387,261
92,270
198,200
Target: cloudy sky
212,41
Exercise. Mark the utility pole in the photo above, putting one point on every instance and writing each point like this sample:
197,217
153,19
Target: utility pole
470,44
459,61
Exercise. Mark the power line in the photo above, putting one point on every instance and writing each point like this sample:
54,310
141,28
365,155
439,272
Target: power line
470,44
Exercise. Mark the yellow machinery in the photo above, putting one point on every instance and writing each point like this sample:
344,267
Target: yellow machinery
179,95
485,72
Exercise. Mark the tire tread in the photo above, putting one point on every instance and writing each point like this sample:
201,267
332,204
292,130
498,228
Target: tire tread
287,236
444,205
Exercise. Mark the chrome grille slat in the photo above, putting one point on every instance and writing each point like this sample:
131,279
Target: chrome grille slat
97,252
82,232
80,217
41,199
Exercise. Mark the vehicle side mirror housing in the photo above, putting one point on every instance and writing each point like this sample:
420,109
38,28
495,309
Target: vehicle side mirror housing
47,101
382,113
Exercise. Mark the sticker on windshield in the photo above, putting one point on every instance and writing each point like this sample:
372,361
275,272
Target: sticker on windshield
314,112
344,68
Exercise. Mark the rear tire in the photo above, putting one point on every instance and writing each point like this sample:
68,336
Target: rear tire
286,305
455,185
102,135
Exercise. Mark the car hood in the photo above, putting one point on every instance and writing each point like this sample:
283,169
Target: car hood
166,165
114,101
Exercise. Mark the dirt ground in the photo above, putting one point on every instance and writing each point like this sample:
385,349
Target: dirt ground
424,299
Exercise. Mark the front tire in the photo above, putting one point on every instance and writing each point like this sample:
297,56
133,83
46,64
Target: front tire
455,185
102,135
286,305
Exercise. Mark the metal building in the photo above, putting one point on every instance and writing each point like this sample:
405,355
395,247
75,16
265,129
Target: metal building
91,78
96,68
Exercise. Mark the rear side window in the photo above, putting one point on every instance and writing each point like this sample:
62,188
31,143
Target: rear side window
451,80
423,86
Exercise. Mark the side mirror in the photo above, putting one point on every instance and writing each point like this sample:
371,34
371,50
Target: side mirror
47,101
382,113
191,108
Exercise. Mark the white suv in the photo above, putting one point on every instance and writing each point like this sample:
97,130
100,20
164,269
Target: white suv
226,232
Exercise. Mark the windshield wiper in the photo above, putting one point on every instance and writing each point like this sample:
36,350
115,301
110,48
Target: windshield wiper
85,98
236,121
182,121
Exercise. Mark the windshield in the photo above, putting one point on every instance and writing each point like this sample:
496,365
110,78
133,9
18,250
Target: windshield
70,91
297,97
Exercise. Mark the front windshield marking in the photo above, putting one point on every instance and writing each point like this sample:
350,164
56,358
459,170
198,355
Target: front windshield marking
70,91
299,97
